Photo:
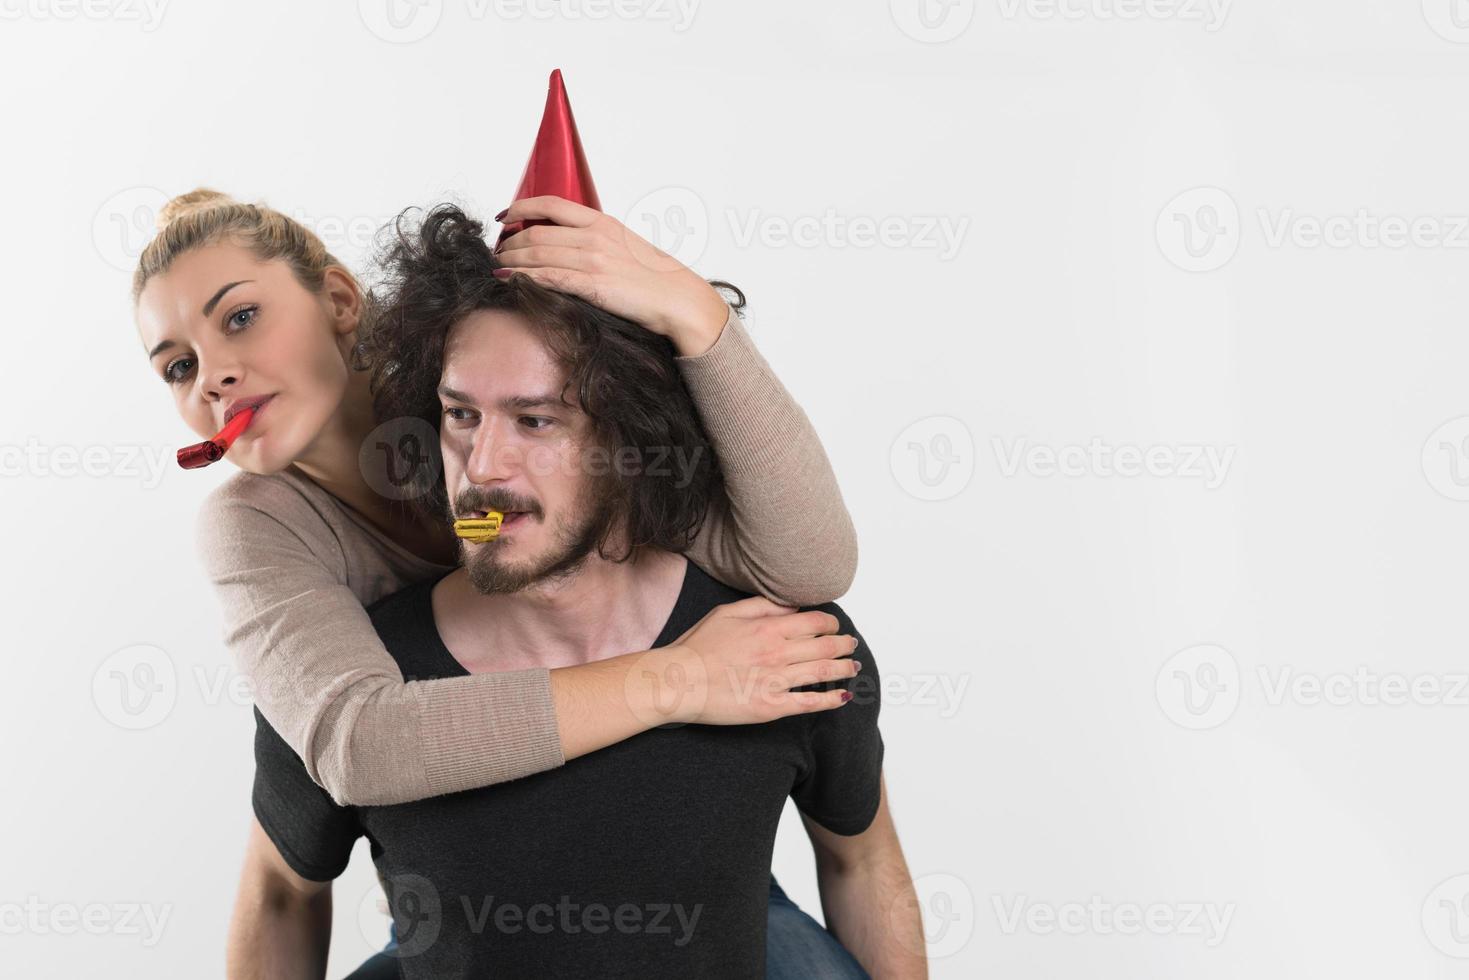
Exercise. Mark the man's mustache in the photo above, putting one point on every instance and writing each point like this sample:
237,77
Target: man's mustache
471,500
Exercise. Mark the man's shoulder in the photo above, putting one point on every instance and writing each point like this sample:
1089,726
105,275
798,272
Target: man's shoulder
704,592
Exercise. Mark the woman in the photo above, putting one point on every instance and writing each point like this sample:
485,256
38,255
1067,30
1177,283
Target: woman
238,303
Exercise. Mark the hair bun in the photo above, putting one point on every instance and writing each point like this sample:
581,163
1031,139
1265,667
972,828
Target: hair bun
199,199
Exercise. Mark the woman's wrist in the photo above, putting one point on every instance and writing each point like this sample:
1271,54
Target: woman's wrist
696,330
601,703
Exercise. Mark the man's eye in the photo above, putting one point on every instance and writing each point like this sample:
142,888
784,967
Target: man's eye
457,414
177,369
536,422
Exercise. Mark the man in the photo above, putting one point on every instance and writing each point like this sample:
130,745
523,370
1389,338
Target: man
650,858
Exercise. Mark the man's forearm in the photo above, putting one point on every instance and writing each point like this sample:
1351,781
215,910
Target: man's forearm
873,910
279,936
282,923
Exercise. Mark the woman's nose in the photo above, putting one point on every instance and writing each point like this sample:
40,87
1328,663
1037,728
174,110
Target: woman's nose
219,380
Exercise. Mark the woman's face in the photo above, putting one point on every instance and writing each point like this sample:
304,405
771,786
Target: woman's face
222,327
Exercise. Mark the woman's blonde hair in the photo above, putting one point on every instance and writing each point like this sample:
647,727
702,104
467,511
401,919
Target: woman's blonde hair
206,217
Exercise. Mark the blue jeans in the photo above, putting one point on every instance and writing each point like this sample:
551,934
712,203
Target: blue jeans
796,948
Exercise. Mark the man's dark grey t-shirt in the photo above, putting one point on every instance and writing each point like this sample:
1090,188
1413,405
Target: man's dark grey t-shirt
649,858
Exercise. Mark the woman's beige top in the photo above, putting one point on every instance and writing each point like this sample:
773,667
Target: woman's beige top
295,567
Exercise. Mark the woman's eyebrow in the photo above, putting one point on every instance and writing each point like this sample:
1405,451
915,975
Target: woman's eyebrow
214,300
208,309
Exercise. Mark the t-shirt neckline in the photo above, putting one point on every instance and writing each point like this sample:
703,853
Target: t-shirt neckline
445,664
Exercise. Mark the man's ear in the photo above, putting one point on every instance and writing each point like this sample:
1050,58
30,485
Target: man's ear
343,299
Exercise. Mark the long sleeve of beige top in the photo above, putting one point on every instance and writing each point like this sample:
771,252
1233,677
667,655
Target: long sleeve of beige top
294,569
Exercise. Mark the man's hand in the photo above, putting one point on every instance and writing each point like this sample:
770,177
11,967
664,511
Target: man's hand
282,924
868,898
596,257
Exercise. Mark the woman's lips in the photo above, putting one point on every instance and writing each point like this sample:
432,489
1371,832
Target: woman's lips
257,402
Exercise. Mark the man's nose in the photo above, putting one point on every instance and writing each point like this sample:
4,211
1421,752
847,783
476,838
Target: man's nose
493,455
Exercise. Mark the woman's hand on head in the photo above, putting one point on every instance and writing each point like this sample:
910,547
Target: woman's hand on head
737,665
594,256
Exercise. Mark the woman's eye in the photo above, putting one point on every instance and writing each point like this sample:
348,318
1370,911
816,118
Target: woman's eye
457,414
242,318
177,370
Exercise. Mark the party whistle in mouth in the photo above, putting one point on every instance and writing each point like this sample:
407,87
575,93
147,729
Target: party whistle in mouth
480,529
212,450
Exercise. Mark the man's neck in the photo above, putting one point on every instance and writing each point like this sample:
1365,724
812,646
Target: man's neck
603,609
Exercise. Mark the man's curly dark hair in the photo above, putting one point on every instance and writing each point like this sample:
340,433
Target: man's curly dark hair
436,270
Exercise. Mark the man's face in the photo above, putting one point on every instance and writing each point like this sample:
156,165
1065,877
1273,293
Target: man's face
511,444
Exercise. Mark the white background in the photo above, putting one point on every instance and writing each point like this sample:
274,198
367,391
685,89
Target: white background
1116,747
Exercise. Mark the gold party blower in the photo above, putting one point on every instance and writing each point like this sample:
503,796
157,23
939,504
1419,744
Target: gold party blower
480,529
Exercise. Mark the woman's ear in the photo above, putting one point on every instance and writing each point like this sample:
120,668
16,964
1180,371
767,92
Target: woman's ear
343,298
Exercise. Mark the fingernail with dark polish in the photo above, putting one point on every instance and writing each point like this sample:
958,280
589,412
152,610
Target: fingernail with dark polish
502,273
501,215
846,696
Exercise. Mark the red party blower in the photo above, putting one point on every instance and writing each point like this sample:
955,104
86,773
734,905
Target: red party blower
212,450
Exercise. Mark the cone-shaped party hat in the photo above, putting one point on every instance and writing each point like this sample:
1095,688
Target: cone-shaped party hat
557,164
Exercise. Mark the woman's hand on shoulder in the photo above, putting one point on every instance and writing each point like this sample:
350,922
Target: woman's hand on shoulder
738,664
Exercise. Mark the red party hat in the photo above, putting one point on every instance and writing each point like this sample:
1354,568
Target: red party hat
557,164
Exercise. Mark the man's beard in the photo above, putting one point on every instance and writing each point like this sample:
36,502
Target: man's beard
572,540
